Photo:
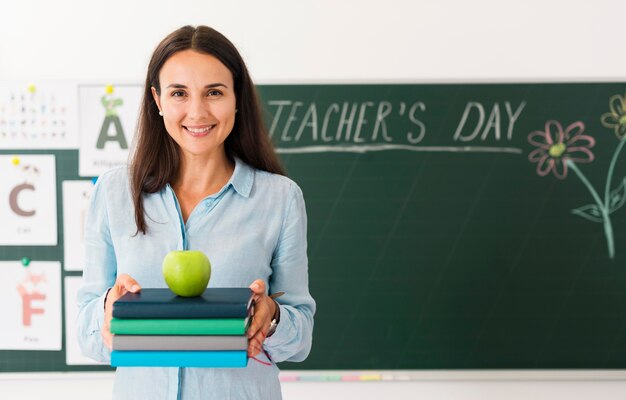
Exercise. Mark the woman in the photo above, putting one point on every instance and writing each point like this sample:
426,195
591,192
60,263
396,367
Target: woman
203,176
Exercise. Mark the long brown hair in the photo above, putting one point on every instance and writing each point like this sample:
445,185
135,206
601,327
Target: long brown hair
156,157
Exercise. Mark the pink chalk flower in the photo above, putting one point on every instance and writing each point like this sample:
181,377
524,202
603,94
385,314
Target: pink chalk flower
555,147
616,118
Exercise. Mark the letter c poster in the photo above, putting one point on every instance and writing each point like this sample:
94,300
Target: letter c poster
28,200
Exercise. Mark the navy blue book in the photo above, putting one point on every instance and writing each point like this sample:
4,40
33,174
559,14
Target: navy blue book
163,303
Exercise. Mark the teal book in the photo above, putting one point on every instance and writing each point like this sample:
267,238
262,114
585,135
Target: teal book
198,359
214,326
154,303
180,342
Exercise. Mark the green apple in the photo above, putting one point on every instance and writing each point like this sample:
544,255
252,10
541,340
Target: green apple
186,272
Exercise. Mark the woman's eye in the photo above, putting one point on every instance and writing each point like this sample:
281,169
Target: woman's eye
214,92
178,93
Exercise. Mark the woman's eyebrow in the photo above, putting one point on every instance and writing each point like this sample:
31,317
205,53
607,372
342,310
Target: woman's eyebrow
181,86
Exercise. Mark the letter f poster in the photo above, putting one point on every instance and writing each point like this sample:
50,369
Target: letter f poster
108,120
28,200
31,306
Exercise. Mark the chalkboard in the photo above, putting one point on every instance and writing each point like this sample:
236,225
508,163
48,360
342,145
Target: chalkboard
446,231
434,242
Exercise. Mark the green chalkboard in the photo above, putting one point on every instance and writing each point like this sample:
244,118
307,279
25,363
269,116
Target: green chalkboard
434,242
446,231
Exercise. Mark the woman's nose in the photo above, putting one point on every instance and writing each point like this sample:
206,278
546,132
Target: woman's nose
198,108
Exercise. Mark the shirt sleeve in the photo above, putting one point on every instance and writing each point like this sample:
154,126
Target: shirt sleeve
98,276
293,336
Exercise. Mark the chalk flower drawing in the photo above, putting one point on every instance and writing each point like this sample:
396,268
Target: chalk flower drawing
616,118
558,150
555,147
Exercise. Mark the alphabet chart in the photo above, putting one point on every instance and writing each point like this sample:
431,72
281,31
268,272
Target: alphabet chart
108,119
28,206
31,312
38,116
75,204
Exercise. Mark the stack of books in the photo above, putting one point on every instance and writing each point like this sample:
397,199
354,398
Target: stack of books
157,328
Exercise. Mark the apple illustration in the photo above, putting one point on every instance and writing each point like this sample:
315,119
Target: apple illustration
186,272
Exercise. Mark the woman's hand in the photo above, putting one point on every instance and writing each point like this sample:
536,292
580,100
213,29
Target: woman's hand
264,310
123,284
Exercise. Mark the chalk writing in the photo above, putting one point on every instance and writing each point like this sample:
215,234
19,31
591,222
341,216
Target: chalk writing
308,127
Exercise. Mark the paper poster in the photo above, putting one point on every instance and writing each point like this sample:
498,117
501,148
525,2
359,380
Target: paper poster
28,200
73,355
108,119
41,115
75,203
31,305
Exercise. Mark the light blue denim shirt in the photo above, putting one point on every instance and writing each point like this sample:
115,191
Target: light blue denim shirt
253,228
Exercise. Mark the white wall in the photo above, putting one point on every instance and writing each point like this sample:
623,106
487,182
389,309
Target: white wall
333,41
325,40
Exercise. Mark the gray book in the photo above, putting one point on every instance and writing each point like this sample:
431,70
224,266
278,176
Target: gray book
179,342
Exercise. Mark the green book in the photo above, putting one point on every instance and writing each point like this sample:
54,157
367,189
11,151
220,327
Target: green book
213,326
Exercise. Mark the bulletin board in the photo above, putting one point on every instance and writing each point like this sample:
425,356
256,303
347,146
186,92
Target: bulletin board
451,226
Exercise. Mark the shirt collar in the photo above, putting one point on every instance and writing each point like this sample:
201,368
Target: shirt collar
243,178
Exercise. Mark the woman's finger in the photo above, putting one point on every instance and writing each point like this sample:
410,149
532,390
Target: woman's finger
258,289
254,327
255,344
125,283
262,316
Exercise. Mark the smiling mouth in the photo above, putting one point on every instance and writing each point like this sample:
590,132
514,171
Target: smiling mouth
197,132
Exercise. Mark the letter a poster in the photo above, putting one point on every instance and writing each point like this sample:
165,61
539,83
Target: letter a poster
31,305
108,119
28,200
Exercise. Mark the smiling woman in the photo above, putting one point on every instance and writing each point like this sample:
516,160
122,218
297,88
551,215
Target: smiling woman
198,109
189,65
197,103
203,176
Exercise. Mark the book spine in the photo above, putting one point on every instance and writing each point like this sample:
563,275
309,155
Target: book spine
165,311
177,342
227,326
199,359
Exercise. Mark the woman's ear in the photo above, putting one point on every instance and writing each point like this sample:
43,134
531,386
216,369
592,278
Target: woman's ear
156,97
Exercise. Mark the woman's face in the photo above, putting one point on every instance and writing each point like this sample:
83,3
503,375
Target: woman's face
197,101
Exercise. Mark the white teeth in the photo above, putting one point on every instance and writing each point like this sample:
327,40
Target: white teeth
201,130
